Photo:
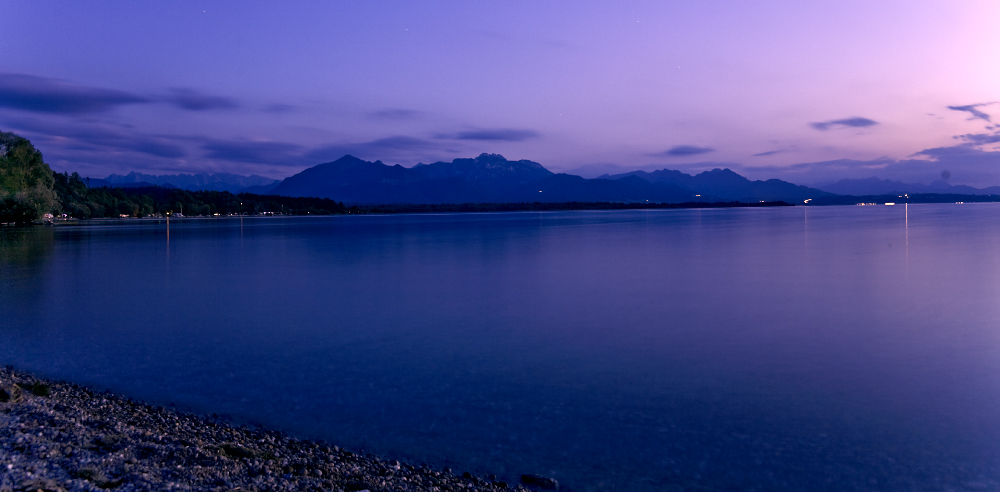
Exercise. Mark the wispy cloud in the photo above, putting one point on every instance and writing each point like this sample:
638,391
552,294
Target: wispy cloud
980,138
194,100
46,95
279,108
275,153
93,135
375,149
684,150
853,122
496,135
770,152
397,114
971,109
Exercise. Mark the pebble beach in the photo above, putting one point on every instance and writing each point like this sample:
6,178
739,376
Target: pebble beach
57,436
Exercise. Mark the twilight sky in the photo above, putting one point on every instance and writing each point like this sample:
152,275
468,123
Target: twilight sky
809,92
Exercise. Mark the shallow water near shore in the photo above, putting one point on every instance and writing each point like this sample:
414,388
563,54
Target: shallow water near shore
819,348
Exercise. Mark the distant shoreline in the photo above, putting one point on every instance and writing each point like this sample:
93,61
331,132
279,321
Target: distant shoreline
60,436
409,208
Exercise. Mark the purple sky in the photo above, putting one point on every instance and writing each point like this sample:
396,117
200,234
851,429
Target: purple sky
809,92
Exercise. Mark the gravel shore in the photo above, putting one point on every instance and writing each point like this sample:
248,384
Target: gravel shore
57,436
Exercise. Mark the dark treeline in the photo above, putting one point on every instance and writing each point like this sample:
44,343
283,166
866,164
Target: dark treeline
76,200
539,206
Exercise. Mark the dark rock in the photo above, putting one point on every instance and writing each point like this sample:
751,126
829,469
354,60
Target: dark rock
540,481
41,390
10,394
94,475
108,443
235,451
36,388
44,485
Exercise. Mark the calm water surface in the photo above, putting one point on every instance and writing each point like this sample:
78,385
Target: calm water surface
822,348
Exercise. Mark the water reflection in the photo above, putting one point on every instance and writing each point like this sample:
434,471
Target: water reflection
24,252
22,247
774,349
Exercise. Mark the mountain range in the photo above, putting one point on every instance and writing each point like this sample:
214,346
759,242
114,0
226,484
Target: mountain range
486,178
728,185
233,183
491,178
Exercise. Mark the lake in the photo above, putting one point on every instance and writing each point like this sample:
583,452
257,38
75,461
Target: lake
791,348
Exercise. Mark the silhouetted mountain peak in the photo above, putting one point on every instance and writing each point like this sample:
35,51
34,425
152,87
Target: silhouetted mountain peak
347,161
493,168
490,158
720,176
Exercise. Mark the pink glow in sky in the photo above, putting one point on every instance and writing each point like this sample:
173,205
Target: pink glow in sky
771,88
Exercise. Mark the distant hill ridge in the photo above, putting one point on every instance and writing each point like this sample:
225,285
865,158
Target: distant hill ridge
234,183
876,186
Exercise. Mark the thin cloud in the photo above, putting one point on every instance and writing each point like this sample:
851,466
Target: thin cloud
684,150
45,95
497,135
397,114
400,143
853,122
254,152
193,100
971,109
968,165
376,149
92,135
980,138
279,108
770,152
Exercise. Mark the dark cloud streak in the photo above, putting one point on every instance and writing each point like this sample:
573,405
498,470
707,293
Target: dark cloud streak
853,122
193,100
971,109
278,153
980,138
373,149
45,95
397,114
497,135
95,135
684,150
